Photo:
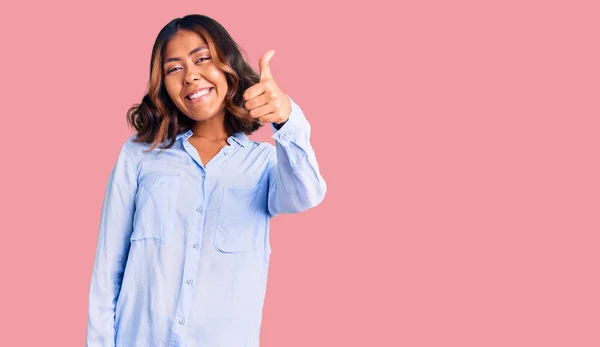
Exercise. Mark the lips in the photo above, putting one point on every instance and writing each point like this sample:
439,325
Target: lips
196,91
202,99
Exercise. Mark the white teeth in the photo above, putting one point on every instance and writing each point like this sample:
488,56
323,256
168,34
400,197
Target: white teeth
199,94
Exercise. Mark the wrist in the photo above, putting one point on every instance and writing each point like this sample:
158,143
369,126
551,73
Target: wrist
278,125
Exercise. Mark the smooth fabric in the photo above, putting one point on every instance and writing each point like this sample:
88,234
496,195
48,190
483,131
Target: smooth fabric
183,249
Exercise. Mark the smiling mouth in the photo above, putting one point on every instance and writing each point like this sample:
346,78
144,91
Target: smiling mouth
199,94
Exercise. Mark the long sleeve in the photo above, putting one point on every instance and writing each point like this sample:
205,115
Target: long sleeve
111,253
295,182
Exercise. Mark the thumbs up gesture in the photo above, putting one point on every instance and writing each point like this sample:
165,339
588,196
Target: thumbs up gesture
264,100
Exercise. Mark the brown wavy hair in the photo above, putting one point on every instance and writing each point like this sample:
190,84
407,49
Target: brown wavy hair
157,120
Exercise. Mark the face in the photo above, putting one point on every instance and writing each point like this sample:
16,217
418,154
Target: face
194,83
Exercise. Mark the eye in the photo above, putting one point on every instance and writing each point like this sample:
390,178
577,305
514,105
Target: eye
199,60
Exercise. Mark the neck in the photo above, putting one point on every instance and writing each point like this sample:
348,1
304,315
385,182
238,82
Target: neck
211,129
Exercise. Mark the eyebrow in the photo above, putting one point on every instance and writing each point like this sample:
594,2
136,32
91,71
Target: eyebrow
195,50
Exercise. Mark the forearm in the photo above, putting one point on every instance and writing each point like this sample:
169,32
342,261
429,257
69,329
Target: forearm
296,180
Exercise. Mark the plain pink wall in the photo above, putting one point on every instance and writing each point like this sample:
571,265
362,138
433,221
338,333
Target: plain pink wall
459,141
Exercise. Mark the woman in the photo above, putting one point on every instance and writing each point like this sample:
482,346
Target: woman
183,247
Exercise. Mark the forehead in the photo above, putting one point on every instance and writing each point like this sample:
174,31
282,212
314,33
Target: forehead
182,42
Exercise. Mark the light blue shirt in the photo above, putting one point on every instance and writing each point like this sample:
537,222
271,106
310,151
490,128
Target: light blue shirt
183,249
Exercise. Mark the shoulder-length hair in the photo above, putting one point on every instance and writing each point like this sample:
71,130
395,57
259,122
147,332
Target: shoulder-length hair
157,120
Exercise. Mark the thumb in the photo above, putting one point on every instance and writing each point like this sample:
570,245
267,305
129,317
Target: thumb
264,65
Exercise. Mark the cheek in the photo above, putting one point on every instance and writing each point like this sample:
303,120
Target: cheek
172,91
223,87
218,78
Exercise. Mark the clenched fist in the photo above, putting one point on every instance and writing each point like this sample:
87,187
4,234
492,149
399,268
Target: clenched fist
265,100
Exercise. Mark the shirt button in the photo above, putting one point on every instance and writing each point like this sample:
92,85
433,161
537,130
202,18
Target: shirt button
224,153
203,175
199,208
181,321
189,281
196,245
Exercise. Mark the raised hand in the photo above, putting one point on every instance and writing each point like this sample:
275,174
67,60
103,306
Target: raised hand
264,100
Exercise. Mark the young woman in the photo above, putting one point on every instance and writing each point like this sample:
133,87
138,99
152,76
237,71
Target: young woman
183,247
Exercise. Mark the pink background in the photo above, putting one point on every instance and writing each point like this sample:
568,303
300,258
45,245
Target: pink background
459,141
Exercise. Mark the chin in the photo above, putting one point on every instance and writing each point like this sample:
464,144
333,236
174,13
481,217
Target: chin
201,117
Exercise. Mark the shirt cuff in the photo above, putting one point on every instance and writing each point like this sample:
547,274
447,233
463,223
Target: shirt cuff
295,124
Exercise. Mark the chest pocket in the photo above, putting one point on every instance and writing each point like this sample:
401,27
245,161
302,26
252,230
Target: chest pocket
242,219
156,200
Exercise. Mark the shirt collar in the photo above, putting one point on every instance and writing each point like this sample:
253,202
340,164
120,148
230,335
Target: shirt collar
238,137
185,134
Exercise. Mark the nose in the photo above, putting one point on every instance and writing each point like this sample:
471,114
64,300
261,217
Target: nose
191,75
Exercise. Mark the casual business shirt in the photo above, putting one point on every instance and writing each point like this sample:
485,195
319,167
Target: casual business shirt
183,248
